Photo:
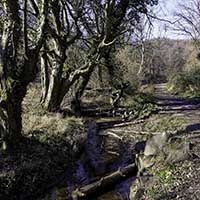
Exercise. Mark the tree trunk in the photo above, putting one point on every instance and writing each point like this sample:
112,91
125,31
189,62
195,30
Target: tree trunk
51,98
80,91
94,189
14,112
59,86
44,77
3,126
11,114
19,66
52,78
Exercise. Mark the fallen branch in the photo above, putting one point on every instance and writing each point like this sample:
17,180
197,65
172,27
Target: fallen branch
123,124
111,134
129,123
104,183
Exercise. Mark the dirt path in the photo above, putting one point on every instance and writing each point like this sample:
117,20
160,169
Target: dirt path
186,175
115,147
189,110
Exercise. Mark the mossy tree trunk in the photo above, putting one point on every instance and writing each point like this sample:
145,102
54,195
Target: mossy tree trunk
56,80
101,23
18,66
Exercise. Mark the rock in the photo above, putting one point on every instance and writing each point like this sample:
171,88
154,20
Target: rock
177,153
143,162
155,144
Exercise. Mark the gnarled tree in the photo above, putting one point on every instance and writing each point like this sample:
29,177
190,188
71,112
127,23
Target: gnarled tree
19,56
101,23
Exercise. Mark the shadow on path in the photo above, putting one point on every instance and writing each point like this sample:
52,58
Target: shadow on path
184,108
193,127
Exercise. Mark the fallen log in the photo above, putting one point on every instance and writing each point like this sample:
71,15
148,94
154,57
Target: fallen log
104,184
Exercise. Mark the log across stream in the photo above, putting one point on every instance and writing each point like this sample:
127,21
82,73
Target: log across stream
105,170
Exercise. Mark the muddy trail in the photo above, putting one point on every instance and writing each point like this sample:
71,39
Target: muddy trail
112,145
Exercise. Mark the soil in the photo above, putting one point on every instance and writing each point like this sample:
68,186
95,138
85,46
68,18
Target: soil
176,181
49,165
186,175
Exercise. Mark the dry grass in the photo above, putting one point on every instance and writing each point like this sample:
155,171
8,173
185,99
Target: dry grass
147,88
49,150
35,118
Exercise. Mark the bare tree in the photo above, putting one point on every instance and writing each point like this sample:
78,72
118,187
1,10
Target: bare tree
101,24
189,20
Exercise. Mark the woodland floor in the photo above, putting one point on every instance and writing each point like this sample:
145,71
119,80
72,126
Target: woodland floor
177,181
186,175
47,156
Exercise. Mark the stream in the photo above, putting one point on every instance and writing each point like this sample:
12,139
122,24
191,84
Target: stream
103,154
108,149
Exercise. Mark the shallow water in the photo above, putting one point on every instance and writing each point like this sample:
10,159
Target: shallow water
95,163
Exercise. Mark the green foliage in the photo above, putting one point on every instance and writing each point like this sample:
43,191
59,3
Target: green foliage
164,175
186,84
163,179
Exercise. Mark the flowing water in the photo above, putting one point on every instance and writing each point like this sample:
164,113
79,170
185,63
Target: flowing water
97,161
104,155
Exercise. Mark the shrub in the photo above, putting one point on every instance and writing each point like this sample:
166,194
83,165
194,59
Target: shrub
186,83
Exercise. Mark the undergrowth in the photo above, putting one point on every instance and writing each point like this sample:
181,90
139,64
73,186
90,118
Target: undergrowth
141,104
186,84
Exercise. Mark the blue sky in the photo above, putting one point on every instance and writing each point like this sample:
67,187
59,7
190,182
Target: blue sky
166,10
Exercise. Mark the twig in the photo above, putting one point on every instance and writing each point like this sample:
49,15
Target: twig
111,134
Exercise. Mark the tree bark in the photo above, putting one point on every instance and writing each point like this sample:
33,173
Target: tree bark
18,66
14,112
51,101
93,189
44,77
80,90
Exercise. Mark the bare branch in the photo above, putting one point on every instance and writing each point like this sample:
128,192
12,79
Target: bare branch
35,7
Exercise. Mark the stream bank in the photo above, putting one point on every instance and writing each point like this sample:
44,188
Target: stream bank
104,153
86,152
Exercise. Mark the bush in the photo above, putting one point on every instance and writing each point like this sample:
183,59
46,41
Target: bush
186,83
